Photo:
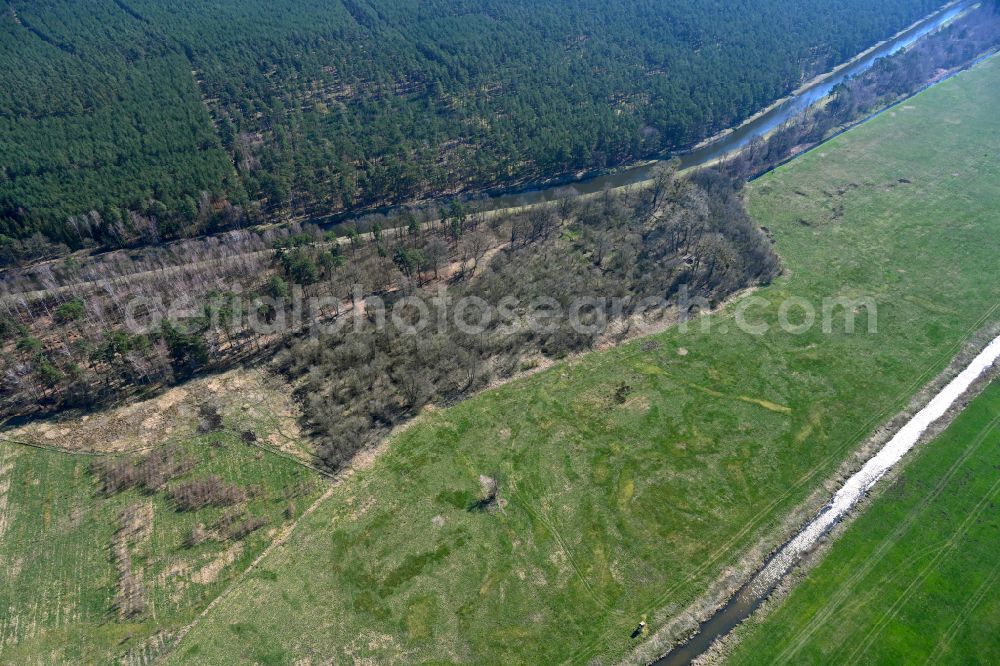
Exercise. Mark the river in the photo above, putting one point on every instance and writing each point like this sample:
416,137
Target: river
760,125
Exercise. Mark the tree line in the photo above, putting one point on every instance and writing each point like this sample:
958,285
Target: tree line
619,252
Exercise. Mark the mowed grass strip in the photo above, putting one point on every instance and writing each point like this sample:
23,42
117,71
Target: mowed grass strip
916,578
612,510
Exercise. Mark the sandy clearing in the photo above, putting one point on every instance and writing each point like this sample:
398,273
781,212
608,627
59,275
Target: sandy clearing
247,399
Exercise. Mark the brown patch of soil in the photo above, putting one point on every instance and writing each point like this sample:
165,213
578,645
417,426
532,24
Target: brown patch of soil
248,400
210,572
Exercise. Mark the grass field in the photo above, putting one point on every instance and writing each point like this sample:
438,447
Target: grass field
619,511
916,578
58,573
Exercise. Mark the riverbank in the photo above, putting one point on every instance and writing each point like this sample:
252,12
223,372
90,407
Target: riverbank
636,174
897,39
710,150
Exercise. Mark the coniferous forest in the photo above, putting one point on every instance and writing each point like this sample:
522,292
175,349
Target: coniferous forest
127,122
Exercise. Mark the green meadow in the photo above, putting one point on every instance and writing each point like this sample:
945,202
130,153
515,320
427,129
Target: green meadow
58,572
915,578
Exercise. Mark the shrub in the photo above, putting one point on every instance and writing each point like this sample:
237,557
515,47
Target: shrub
70,311
207,491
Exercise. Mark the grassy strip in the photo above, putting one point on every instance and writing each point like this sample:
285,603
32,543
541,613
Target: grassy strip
614,510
